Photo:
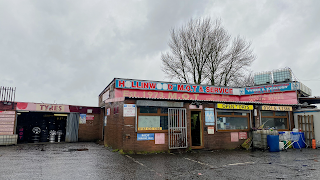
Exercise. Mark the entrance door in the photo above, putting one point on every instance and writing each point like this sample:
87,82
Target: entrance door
196,128
72,127
177,128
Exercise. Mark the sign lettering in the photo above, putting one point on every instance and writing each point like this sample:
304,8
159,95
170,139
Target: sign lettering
235,106
276,108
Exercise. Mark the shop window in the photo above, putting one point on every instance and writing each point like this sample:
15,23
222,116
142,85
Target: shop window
152,119
275,119
148,110
266,113
232,121
164,110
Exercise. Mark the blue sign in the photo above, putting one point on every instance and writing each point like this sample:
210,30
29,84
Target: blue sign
145,136
268,89
209,116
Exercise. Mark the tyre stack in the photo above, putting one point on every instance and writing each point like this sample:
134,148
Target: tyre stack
44,131
61,127
51,125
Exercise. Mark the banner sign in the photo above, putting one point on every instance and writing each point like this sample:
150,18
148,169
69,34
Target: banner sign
276,108
173,95
235,106
272,98
145,136
160,86
269,88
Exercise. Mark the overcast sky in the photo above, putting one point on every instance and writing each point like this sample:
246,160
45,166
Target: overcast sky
67,52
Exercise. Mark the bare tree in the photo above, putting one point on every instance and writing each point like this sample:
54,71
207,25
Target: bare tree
201,52
190,51
235,66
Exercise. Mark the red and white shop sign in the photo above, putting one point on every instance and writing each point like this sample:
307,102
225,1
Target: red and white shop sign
90,117
272,98
242,135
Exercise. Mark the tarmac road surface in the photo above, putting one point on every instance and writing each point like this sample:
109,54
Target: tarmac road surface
93,161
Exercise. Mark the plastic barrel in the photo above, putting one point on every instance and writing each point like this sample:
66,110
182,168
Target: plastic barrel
273,143
301,143
281,146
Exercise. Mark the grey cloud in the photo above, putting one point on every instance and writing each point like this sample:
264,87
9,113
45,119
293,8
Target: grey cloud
68,52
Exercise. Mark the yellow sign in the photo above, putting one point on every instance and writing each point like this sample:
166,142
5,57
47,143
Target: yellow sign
149,128
235,106
276,108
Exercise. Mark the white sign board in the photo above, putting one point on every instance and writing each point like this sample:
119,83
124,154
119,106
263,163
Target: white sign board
105,96
129,110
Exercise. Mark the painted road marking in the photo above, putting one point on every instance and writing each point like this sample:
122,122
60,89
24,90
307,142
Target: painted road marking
205,164
143,165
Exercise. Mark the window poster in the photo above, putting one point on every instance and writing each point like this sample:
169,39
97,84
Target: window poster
105,121
108,111
211,130
242,135
234,137
149,123
159,138
209,116
83,119
129,110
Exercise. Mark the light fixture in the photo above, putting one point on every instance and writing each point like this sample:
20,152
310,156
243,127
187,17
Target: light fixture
23,111
60,114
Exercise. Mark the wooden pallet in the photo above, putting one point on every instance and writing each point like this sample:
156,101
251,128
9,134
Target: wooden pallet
305,124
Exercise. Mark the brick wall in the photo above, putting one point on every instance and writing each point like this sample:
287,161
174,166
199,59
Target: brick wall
120,132
113,135
92,130
218,140
6,107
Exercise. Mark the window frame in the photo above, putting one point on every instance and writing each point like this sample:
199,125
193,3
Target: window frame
231,111
274,117
150,114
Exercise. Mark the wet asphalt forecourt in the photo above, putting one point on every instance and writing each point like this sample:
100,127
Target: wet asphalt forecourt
94,161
